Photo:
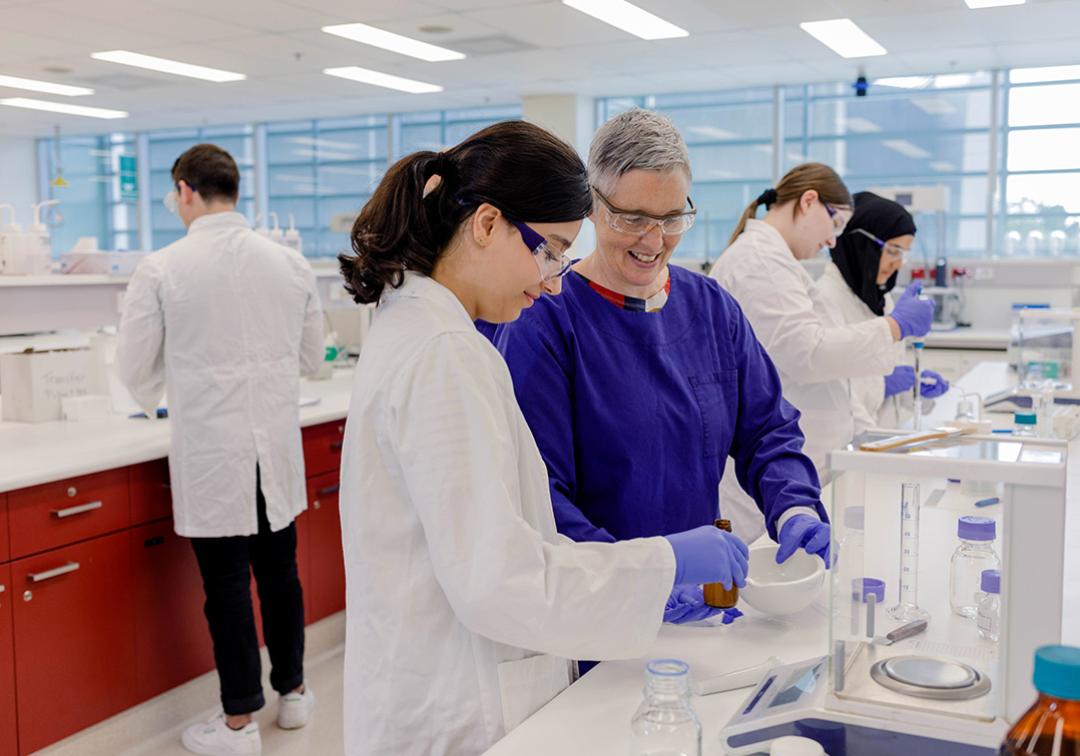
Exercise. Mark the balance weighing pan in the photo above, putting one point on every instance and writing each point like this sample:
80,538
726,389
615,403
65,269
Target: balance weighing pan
930,677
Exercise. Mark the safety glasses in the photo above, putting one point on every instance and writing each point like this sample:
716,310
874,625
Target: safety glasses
839,217
172,198
638,224
551,263
894,251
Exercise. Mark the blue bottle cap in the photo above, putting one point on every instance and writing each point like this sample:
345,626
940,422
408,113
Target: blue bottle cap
972,528
991,581
1057,672
862,588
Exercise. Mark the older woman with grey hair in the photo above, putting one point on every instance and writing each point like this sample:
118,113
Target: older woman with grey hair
643,378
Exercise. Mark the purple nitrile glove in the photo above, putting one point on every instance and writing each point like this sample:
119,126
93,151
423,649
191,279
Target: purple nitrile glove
900,380
687,604
932,385
912,314
805,532
709,555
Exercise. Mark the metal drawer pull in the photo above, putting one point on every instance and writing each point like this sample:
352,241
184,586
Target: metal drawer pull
336,445
329,490
62,513
41,577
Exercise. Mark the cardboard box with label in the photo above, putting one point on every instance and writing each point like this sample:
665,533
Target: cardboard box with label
33,383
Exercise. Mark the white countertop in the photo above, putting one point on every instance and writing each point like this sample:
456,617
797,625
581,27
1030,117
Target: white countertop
34,453
592,716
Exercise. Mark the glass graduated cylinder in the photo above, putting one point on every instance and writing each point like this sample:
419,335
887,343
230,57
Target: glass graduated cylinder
907,608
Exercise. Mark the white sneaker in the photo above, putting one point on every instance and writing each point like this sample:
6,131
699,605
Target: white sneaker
215,738
295,709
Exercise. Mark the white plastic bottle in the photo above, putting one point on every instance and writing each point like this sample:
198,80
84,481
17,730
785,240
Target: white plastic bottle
292,236
38,244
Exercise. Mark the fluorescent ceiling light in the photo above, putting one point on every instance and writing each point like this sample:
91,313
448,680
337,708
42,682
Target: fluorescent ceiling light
943,165
904,82
59,107
844,37
933,105
323,143
976,4
369,35
1046,73
378,79
629,18
860,125
128,58
33,85
713,132
906,148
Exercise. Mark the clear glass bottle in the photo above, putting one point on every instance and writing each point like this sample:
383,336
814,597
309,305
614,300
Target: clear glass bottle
1024,423
665,724
989,615
974,554
1051,727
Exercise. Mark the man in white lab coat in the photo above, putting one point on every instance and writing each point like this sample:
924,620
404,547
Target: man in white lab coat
227,321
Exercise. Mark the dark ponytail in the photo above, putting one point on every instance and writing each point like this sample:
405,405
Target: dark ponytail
523,170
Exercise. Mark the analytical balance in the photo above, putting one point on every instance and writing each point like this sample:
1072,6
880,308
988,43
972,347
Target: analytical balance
938,688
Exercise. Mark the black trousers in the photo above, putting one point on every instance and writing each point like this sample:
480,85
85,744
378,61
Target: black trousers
227,565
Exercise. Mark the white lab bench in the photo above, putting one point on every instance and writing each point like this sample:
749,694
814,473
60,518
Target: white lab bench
592,717
34,453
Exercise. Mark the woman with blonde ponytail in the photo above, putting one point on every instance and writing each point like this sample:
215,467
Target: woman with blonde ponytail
816,353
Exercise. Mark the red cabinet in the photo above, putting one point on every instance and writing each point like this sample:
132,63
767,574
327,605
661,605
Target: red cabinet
322,448
74,622
326,586
172,642
4,553
151,497
55,514
9,742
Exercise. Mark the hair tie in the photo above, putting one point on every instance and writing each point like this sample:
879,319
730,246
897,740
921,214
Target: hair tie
767,197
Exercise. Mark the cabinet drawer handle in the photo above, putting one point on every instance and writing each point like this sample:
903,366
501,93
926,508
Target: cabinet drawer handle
336,445
2,589
62,513
41,577
329,490
150,543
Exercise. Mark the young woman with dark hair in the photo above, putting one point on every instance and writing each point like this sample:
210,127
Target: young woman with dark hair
464,603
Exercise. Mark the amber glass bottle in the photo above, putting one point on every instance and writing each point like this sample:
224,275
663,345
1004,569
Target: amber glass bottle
1052,726
716,595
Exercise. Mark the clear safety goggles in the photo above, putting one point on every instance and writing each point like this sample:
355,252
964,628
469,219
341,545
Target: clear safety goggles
171,200
839,217
894,251
551,263
639,224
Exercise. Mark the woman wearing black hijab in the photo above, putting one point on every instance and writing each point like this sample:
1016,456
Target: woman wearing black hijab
856,285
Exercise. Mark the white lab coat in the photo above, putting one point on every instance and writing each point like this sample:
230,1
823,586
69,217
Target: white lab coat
459,585
871,408
815,352
227,321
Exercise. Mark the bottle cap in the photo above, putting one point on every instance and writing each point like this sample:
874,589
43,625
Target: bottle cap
1025,418
862,588
991,581
855,518
1057,672
972,528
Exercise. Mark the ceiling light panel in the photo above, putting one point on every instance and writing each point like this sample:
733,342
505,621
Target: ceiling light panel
628,17
977,4
379,79
47,87
164,65
369,35
844,37
62,107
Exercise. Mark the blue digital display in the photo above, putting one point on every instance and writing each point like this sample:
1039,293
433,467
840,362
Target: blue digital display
805,684
757,697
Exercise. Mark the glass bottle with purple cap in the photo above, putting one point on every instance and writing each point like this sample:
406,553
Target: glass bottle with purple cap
974,555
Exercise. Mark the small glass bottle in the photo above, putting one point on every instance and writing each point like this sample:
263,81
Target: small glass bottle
974,554
989,616
1051,727
665,724
716,595
1024,423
